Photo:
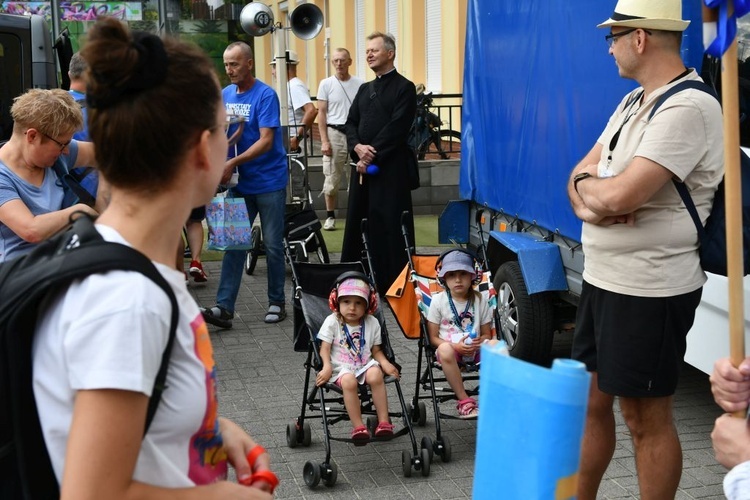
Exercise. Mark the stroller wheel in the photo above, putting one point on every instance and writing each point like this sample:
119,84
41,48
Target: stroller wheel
292,434
427,445
406,462
311,473
331,474
444,449
306,434
422,420
252,255
372,424
426,458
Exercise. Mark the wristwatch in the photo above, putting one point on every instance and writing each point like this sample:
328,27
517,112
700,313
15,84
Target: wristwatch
578,178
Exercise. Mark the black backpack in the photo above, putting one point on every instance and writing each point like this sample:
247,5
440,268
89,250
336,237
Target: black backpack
713,237
25,282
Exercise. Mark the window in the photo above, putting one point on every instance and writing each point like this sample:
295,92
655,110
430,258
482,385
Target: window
434,45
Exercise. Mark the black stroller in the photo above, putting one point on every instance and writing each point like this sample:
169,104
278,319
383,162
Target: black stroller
312,284
302,229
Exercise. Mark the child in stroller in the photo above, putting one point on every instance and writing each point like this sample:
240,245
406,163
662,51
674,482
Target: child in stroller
350,349
455,336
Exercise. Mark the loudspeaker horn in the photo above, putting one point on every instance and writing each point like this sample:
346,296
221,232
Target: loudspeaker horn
256,19
306,21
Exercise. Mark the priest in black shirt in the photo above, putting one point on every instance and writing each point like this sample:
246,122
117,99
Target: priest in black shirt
377,132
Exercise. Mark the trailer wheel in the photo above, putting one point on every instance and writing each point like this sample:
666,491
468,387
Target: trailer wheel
525,320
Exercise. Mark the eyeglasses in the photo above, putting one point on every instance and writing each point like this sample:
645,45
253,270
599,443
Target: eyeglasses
612,37
62,145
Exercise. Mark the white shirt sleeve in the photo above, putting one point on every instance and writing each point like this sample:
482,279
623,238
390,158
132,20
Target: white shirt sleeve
737,482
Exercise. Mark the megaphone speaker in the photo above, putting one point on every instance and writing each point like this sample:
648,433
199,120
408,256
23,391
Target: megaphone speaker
256,19
306,21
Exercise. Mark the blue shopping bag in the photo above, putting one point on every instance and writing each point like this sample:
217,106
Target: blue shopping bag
229,226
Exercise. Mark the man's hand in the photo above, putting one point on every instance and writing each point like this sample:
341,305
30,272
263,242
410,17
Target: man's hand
365,152
731,386
325,148
731,440
228,170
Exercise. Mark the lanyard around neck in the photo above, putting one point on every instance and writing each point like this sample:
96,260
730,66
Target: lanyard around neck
355,350
457,319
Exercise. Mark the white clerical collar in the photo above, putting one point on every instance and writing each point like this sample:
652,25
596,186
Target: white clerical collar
389,71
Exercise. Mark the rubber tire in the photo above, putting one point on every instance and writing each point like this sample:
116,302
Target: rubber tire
252,255
292,435
372,424
311,474
429,148
427,444
422,414
526,321
332,473
426,458
406,463
307,434
446,454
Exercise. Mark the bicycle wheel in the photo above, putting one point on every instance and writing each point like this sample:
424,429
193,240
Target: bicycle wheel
252,255
448,146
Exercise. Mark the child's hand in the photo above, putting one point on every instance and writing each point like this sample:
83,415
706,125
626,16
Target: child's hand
324,375
462,349
390,369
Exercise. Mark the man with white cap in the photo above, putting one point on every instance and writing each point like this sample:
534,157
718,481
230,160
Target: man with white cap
642,274
301,110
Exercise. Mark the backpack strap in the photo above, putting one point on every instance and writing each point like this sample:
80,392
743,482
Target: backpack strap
122,257
680,186
72,182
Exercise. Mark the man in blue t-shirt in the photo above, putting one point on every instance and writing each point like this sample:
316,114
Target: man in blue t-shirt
87,177
261,161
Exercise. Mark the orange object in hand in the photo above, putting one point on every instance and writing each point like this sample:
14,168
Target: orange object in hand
261,475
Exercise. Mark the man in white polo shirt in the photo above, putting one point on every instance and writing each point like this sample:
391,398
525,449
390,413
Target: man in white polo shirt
335,96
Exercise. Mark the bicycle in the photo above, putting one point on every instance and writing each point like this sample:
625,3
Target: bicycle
426,135
302,229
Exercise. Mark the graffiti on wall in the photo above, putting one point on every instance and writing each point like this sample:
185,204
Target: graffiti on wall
77,11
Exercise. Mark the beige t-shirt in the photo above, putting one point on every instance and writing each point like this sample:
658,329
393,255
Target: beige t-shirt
657,256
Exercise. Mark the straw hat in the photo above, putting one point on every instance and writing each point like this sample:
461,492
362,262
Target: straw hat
292,58
654,14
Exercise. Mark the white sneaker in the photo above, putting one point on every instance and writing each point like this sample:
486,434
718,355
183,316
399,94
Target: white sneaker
329,224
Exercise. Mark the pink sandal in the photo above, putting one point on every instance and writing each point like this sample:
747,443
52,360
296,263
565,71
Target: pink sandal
384,429
360,435
467,409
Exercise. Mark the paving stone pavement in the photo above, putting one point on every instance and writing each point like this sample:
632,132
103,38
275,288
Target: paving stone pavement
261,383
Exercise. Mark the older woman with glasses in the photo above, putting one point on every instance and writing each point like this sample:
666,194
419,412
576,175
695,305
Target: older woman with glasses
31,192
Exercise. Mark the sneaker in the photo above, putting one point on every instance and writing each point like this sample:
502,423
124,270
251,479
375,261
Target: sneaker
187,278
197,272
217,316
329,224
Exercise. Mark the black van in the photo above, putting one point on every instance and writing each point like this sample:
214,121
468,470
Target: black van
26,61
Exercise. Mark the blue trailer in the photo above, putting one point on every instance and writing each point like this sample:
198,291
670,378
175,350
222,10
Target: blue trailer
539,87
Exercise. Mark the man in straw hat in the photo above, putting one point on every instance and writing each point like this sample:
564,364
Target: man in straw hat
642,275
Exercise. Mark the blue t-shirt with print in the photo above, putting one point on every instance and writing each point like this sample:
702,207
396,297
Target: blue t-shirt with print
90,181
260,107
38,199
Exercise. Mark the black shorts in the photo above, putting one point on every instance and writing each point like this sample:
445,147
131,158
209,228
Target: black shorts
635,344
198,214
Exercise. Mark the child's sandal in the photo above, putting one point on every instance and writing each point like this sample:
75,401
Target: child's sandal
360,435
467,408
384,429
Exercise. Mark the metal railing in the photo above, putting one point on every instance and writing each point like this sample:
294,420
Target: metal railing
447,106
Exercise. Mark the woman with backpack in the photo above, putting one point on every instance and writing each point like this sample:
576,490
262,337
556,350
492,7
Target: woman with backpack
157,121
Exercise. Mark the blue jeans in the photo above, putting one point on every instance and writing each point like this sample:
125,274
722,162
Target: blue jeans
272,208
